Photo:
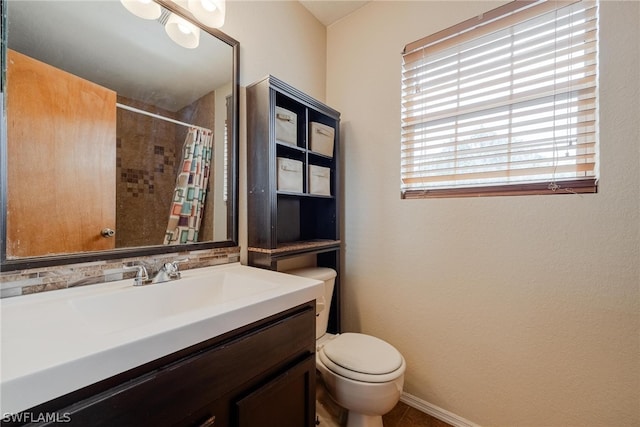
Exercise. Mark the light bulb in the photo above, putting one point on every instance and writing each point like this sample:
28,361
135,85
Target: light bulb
208,5
209,12
182,31
183,28
145,9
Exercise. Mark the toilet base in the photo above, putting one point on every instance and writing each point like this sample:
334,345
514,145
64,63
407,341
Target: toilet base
359,420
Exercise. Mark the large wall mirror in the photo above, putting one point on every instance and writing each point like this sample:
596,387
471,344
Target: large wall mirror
118,139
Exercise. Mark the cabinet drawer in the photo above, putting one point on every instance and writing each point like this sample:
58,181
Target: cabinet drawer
168,395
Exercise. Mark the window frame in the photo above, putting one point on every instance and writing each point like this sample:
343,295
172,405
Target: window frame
508,13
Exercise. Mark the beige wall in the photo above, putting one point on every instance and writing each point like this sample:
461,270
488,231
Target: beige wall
510,311
283,39
280,38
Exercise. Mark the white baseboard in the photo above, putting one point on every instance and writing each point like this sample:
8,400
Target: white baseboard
435,411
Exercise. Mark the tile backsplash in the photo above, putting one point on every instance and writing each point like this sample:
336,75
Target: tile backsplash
22,282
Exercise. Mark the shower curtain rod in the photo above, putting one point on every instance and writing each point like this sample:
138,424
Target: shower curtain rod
157,116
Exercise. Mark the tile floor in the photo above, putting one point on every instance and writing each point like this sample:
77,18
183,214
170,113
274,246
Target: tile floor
331,415
406,416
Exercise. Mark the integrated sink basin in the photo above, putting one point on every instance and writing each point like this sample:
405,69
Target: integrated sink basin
56,342
134,306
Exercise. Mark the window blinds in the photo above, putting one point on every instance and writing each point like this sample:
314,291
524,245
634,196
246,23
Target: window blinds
503,102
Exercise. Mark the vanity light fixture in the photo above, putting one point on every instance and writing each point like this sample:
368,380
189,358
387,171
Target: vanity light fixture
209,12
182,32
145,9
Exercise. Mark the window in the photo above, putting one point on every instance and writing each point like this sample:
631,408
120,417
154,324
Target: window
505,103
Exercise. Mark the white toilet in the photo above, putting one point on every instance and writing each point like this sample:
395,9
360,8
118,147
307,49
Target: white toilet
363,374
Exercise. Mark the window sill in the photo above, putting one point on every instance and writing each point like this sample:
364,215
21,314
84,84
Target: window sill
563,187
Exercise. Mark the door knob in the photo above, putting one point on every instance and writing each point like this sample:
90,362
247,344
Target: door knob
107,232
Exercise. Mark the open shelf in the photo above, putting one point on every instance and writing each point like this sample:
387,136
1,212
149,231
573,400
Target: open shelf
282,223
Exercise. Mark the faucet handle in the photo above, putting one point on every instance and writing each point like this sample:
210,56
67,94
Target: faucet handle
170,267
175,266
180,261
142,276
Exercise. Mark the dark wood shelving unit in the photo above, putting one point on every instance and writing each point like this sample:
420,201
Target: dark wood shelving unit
286,224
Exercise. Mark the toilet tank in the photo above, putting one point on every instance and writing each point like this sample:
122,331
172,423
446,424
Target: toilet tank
328,276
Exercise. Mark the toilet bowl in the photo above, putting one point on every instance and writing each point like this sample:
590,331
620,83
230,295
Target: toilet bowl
361,373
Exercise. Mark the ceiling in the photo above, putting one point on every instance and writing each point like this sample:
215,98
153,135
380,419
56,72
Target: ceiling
330,11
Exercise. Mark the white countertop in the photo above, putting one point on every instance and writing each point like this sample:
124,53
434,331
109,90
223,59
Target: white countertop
50,348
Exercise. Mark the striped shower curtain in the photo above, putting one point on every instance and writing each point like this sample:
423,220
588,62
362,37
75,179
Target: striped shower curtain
191,188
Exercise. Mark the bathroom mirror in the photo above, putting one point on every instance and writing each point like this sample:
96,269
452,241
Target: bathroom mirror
118,139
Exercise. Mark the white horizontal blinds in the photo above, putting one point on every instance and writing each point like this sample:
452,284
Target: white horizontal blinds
510,100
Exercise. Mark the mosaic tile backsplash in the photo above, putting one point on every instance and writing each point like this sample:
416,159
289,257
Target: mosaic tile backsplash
22,282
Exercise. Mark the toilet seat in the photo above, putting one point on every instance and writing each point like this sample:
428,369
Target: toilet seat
363,358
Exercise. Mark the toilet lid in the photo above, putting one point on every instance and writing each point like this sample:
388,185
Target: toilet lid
362,357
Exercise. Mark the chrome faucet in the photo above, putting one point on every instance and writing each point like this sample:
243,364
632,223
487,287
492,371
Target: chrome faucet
169,271
142,276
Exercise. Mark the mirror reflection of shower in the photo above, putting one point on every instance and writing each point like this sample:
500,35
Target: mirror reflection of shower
166,185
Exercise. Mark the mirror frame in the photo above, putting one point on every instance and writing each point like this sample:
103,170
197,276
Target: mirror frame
81,257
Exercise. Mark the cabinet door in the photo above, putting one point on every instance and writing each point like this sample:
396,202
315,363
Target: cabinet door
286,401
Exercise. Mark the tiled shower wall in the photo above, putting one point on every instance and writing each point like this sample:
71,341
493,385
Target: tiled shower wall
149,155
148,152
22,282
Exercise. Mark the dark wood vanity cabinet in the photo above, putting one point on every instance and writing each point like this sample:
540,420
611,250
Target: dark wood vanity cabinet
259,375
286,221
